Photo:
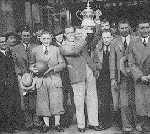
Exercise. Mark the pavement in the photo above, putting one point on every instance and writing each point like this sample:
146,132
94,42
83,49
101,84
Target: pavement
71,130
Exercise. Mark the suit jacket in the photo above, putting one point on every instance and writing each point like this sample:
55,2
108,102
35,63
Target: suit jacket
21,58
8,78
116,54
138,54
97,55
77,64
54,60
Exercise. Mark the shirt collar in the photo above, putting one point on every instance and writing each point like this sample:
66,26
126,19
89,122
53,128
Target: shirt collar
44,47
25,45
127,39
146,39
105,48
3,51
59,43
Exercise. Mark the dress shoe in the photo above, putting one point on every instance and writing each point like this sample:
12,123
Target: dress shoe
130,129
127,130
139,127
96,128
81,130
58,128
136,132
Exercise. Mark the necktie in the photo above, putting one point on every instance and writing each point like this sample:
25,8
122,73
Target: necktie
8,52
46,51
125,43
144,42
107,51
26,47
28,54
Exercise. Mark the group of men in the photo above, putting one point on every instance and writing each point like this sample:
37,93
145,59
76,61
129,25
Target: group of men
123,63
112,79
17,108
120,64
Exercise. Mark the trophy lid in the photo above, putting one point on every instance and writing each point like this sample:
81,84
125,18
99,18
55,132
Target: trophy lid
88,8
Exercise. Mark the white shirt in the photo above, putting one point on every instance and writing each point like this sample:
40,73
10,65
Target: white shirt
146,39
25,45
105,48
58,43
44,48
127,39
3,51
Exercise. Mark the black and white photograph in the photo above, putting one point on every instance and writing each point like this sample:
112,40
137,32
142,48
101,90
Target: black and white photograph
74,66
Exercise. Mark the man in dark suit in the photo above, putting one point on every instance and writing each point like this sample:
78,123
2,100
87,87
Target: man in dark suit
10,108
101,58
21,55
121,83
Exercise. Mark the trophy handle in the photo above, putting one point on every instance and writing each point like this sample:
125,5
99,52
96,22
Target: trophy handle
78,15
98,13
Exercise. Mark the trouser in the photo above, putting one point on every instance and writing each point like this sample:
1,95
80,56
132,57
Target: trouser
115,96
122,99
104,98
67,117
10,110
86,92
21,92
142,97
126,102
28,104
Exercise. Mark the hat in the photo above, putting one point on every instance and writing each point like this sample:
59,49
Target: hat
58,30
38,26
2,38
12,34
22,28
27,82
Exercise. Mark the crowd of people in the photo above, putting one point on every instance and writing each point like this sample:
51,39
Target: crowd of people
98,78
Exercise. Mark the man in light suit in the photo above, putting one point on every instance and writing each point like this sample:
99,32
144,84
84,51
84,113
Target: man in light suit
81,69
121,83
140,51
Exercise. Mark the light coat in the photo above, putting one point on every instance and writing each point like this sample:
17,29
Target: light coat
138,55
